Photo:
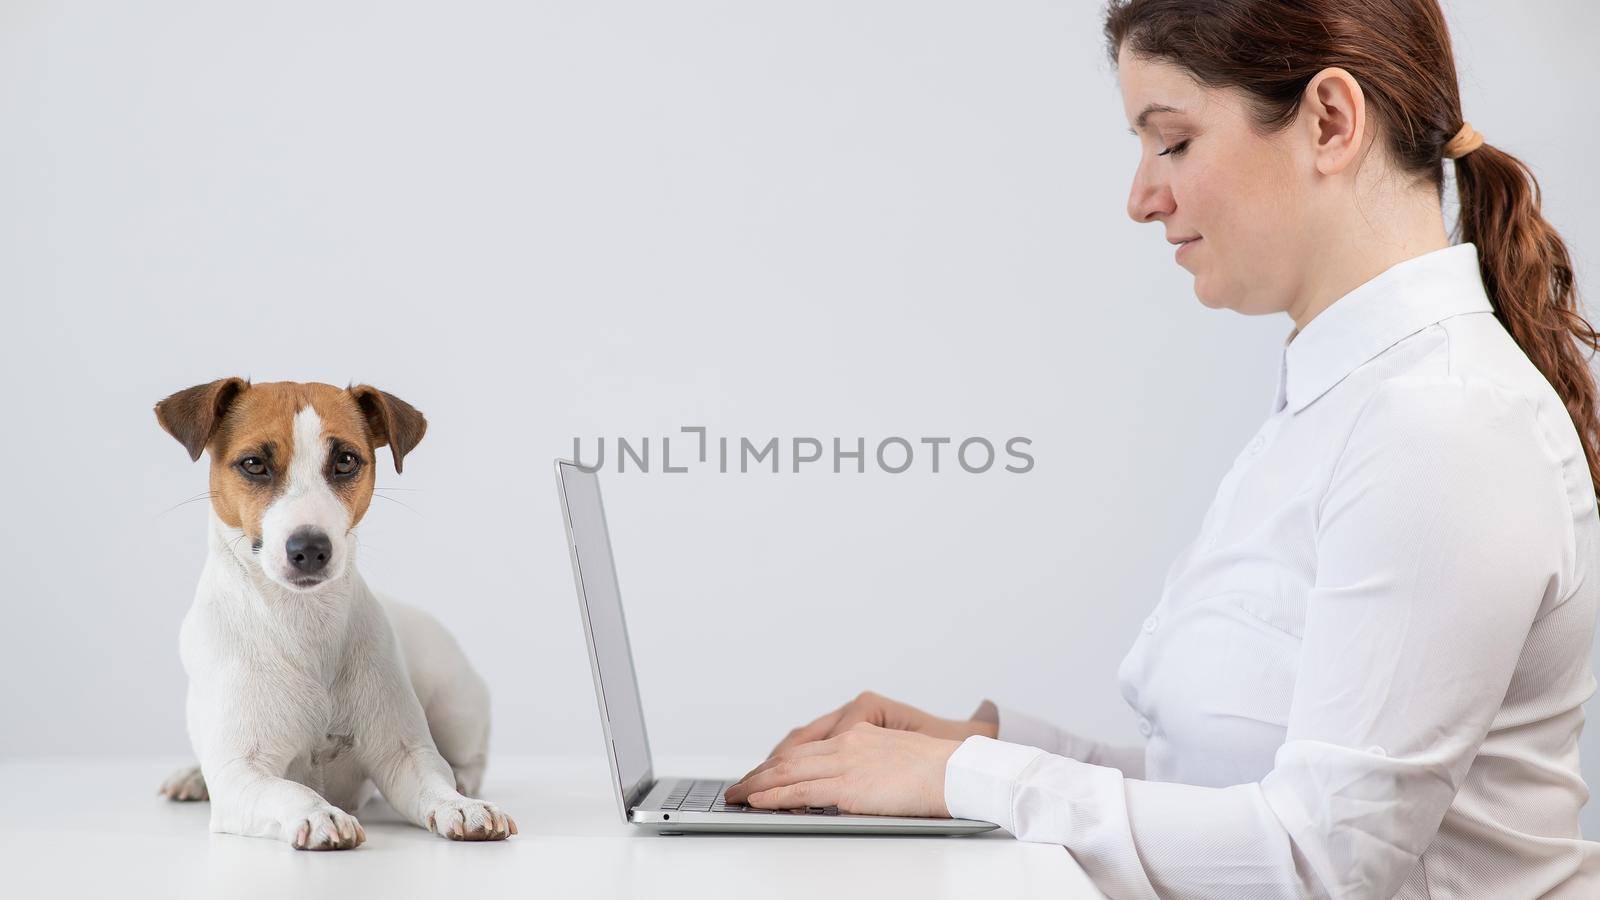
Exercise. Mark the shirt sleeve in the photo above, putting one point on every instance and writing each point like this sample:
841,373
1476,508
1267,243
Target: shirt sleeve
1441,536
1017,727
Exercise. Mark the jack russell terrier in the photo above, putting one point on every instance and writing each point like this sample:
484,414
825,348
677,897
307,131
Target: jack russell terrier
306,688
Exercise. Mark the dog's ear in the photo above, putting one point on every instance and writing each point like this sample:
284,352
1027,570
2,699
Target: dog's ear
391,420
191,415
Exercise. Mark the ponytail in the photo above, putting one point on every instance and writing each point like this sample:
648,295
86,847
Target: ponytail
1528,276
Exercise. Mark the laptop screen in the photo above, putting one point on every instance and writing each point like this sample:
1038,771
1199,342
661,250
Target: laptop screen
601,604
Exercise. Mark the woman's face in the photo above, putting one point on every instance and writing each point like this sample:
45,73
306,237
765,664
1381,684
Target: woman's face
1203,172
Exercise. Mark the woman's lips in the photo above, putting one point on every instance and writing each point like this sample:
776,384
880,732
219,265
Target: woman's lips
1183,247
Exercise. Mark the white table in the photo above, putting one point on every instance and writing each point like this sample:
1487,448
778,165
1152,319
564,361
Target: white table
96,828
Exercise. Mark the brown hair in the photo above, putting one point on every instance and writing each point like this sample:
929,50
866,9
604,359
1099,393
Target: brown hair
1399,50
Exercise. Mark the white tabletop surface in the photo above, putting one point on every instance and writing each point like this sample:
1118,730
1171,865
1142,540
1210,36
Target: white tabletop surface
95,827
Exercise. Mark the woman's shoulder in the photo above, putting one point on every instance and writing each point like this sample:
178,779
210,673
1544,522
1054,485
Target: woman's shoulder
1477,388
1466,369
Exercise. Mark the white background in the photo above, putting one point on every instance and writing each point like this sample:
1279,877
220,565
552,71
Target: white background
541,221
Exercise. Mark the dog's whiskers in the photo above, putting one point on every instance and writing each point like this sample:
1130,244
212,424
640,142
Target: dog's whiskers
361,546
195,499
393,500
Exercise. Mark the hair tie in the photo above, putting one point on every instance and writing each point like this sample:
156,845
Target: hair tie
1465,141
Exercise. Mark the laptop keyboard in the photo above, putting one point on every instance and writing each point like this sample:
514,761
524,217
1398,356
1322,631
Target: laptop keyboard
706,796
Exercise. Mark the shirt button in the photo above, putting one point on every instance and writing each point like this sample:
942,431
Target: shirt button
1257,445
1375,750
1144,726
1151,623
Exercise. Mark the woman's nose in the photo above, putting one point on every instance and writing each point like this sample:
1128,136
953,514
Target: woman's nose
1149,198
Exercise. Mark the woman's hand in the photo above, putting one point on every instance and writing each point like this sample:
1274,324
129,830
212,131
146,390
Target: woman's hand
876,709
872,755
864,769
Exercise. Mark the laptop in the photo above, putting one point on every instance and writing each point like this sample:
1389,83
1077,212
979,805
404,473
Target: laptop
673,805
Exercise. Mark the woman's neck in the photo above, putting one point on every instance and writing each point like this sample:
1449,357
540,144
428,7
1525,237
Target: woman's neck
1364,248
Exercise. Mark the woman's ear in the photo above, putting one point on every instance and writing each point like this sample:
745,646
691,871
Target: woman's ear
390,420
1336,110
191,415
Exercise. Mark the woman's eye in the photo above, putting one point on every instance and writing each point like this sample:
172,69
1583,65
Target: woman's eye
254,466
346,463
1176,149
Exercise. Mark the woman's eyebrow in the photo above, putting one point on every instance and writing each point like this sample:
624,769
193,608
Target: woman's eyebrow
1144,115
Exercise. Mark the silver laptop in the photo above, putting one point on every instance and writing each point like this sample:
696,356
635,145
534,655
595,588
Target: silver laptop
672,805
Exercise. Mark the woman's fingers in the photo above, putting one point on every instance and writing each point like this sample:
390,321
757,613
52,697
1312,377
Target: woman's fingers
811,748
815,730
785,772
820,792
867,706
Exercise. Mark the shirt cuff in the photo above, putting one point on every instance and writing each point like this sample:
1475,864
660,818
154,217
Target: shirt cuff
980,779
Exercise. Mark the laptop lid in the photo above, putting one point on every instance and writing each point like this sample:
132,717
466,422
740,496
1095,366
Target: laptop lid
610,658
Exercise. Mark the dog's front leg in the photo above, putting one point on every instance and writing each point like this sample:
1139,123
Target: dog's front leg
247,799
247,738
399,755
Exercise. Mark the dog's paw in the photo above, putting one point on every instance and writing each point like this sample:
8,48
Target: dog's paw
466,819
328,828
185,784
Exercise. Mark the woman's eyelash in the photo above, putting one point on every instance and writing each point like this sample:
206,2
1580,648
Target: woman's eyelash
1176,149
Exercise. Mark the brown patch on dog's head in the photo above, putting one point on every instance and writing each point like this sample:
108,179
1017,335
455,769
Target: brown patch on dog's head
281,452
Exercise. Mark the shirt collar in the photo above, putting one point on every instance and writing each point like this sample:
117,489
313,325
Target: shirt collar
1387,308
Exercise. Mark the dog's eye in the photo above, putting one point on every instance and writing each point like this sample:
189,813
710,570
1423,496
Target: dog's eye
346,463
253,466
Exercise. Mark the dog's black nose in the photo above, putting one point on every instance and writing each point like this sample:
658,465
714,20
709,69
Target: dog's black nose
308,550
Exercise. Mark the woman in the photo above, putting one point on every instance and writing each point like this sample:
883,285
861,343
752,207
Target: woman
1364,676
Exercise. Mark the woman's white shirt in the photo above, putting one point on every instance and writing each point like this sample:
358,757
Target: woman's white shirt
1365,675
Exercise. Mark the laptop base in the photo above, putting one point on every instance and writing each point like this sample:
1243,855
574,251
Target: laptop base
657,812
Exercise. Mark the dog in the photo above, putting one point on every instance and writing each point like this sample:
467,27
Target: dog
306,688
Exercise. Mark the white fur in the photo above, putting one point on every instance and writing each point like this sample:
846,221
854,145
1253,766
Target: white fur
307,500
301,701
